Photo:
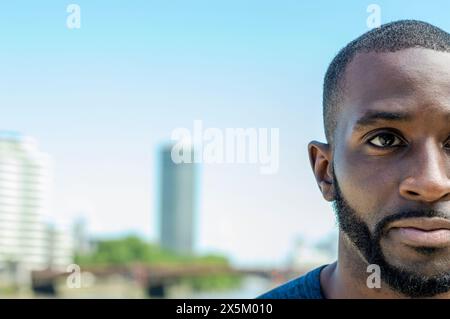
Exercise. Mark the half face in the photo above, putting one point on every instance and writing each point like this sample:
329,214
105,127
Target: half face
392,154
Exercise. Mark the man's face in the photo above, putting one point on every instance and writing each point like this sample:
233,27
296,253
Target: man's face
391,163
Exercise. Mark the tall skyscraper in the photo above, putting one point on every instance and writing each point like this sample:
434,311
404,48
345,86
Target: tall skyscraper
27,242
178,204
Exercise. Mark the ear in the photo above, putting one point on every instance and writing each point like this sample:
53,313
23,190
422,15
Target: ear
320,158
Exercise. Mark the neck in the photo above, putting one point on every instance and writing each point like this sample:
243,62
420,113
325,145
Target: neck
347,278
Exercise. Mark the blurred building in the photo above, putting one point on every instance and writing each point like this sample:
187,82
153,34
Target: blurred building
27,242
83,244
177,204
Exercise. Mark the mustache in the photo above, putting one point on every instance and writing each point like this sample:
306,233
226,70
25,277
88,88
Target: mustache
424,213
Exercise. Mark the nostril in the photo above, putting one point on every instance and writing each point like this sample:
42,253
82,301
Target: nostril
412,193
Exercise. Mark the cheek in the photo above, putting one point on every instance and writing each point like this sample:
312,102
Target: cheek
367,183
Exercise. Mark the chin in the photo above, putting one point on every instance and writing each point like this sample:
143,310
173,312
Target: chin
422,261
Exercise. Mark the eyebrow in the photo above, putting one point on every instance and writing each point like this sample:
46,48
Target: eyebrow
373,117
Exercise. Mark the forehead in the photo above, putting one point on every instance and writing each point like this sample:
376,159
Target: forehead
408,81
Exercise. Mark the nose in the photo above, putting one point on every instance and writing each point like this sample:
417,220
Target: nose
428,178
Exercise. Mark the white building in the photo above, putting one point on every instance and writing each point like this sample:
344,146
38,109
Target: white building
27,242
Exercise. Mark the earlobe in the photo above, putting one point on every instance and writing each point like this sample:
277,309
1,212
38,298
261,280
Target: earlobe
320,159
327,191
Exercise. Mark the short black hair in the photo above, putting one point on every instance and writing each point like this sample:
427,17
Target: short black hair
390,37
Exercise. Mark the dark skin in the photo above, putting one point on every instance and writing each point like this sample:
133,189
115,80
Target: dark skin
379,181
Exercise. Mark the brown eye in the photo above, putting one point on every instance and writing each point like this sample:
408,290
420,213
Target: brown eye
384,140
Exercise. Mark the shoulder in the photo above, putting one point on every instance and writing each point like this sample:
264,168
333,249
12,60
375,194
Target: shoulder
304,287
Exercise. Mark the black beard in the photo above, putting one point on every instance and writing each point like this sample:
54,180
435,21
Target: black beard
403,281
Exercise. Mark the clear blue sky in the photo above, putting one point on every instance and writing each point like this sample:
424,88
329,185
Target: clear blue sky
101,99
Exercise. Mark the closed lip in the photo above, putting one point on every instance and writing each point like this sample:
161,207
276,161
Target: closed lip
422,223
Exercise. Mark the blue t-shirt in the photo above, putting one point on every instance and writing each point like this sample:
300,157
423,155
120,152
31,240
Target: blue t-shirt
304,287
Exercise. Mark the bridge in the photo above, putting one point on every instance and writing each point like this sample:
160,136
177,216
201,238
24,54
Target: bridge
155,279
